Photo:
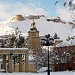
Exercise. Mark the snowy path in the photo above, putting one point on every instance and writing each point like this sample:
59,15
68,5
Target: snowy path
52,73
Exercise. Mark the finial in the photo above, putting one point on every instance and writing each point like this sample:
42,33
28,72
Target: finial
33,24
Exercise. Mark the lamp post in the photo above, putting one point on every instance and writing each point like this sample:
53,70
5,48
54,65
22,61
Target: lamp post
47,41
48,62
67,54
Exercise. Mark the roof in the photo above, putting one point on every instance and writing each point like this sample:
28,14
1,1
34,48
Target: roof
13,48
67,43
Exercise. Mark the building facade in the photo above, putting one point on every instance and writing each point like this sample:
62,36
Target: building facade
65,57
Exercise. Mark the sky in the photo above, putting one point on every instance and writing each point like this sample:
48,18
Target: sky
9,8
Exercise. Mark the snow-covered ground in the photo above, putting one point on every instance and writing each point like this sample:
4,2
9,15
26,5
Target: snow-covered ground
44,73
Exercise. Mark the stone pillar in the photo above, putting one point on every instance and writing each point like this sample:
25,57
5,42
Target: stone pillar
26,63
20,63
4,62
10,63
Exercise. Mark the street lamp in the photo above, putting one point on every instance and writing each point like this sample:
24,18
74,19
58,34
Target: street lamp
68,55
47,41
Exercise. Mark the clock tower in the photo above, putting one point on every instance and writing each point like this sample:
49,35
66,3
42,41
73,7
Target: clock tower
33,38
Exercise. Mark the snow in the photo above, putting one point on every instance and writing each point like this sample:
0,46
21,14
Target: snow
44,27
43,69
67,43
13,48
44,73
31,57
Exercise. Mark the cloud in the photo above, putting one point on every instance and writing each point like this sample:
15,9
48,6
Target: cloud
8,10
64,13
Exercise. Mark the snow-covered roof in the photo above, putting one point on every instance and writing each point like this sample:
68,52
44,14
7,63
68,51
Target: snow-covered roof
66,43
13,48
